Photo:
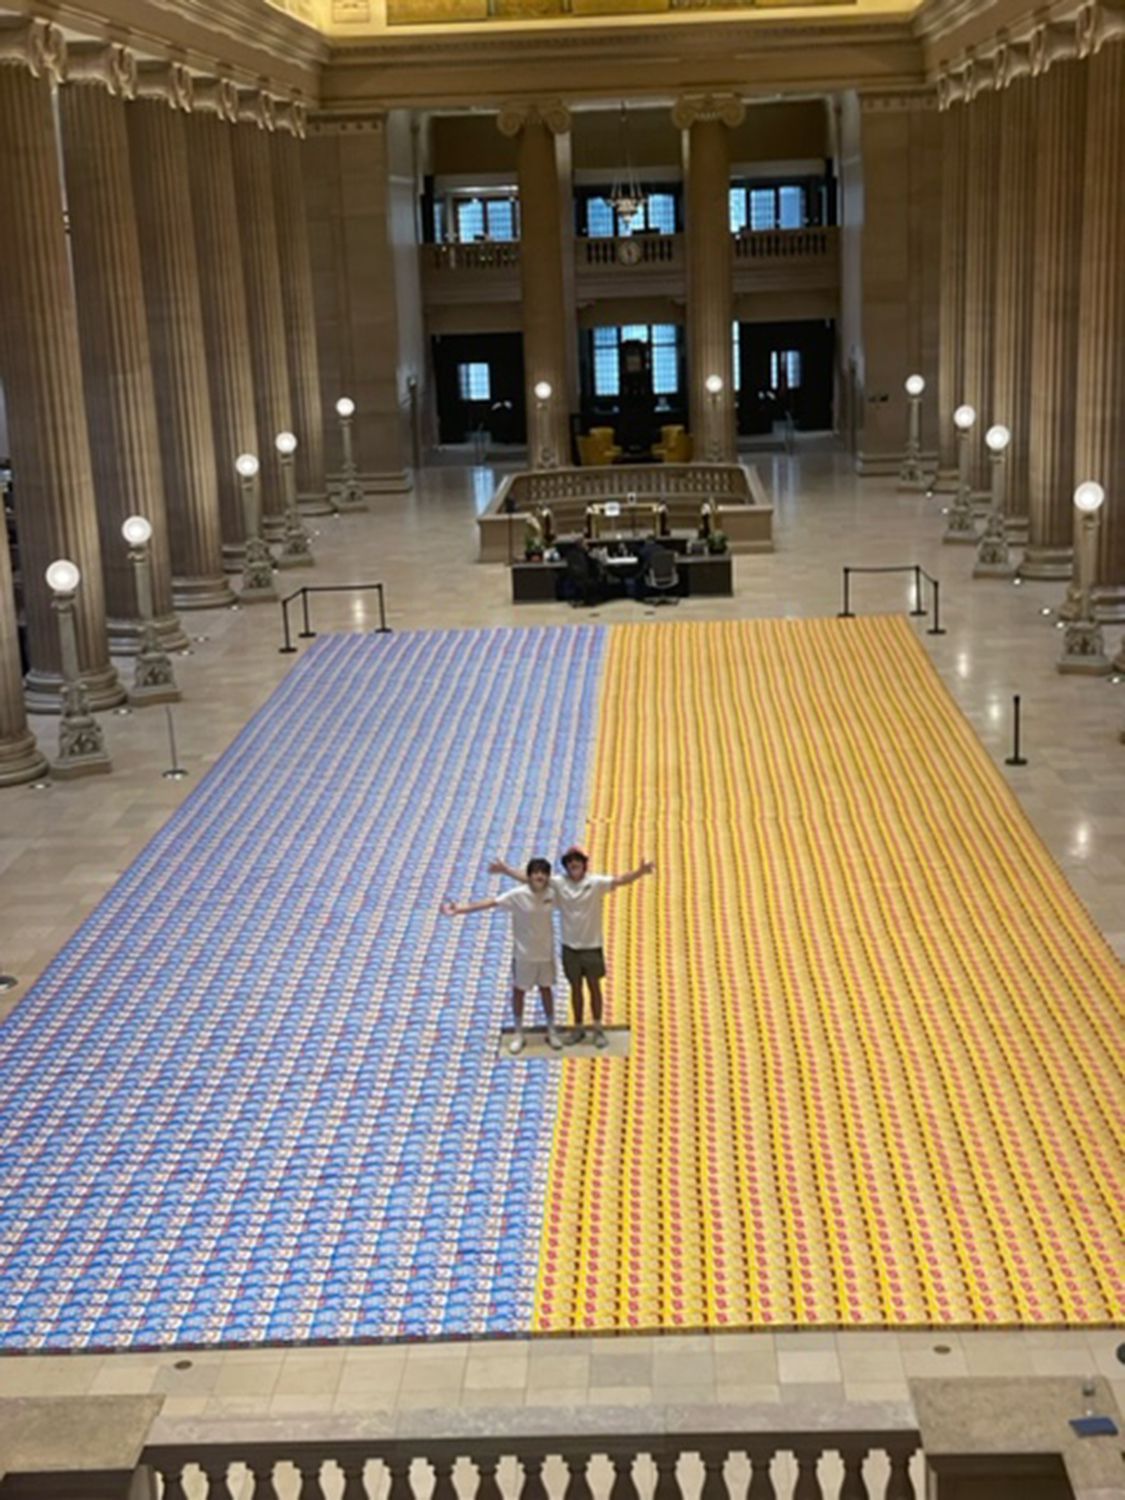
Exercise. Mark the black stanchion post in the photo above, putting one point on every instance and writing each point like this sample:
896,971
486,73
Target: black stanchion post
384,629
919,607
846,612
936,628
306,634
288,649
1015,759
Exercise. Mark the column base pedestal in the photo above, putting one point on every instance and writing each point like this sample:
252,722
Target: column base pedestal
316,505
944,482
273,527
1084,649
1049,563
233,553
201,593
125,635
21,760
43,690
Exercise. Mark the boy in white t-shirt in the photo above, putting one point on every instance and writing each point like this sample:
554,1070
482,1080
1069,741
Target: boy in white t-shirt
531,907
581,897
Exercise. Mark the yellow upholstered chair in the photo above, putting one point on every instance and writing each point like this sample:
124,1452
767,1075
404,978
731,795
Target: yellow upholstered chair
597,448
674,447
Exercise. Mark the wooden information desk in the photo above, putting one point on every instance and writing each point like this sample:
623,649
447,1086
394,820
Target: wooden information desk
538,582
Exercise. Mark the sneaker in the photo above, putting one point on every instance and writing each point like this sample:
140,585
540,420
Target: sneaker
515,1046
578,1034
600,1038
554,1041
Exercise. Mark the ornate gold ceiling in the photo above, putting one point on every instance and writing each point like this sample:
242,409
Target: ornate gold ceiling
367,17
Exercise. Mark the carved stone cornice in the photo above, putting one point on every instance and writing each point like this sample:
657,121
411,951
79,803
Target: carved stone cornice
255,107
39,46
898,101
105,64
292,117
516,114
692,109
355,124
217,96
1098,23
168,82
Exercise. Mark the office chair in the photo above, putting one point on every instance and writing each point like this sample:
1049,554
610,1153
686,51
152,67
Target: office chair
662,577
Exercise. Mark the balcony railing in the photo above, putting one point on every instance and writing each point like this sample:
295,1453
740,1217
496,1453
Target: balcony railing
785,245
480,255
664,250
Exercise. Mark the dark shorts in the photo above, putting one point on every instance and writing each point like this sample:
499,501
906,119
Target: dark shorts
583,963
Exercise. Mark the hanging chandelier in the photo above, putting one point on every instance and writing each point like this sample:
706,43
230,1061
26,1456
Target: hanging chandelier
625,196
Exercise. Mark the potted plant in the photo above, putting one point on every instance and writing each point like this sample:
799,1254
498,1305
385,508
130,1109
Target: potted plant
717,542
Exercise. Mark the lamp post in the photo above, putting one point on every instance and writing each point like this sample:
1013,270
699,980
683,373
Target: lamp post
713,385
351,495
994,560
548,458
1083,644
153,678
257,560
959,526
910,474
82,749
295,549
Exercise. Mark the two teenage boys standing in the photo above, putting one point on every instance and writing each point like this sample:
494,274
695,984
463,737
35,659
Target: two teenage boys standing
578,895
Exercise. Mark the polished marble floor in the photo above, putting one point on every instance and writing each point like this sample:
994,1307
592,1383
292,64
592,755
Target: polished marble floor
61,848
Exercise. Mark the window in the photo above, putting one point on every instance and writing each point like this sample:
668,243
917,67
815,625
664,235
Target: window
662,213
470,220
439,221
763,208
485,219
599,219
791,210
737,210
657,215
664,347
474,382
500,218
735,358
786,206
785,369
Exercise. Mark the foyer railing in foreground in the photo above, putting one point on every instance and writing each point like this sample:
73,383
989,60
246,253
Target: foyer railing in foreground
308,634
804,1465
936,628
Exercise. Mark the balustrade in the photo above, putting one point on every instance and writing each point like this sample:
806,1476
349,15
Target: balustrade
785,244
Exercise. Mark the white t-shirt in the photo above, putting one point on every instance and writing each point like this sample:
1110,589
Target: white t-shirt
533,935
580,908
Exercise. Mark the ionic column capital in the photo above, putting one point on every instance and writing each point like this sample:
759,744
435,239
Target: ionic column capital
1100,21
39,46
1013,61
107,64
255,107
981,74
952,88
292,118
692,109
1051,44
169,83
216,96
552,113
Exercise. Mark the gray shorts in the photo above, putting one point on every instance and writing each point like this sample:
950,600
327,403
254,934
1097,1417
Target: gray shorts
527,975
583,963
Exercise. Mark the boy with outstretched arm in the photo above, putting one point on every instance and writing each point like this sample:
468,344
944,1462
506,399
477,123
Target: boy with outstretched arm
531,907
581,896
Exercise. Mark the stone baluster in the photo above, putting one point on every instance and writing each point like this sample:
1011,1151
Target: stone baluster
56,511
158,152
546,330
113,331
707,120
226,329
1100,437
488,1487
983,127
286,149
624,1486
1060,107
261,269
667,1478
761,1473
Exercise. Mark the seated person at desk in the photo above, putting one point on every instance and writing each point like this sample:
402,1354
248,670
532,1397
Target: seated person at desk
587,580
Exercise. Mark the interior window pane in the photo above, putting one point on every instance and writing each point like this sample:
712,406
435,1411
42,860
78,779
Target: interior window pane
599,219
470,219
439,217
474,382
501,219
793,365
736,358
606,382
737,209
763,208
665,370
662,213
635,331
663,333
633,225
792,207
605,338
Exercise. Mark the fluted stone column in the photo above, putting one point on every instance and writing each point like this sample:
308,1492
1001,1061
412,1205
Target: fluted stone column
1060,108
707,119
226,328
158,152
20,757
983,125
546,334
261,268
113,330
286,149
951,333
1015,238
39,352
1100,441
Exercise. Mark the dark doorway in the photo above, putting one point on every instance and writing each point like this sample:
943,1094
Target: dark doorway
786,371
478,380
